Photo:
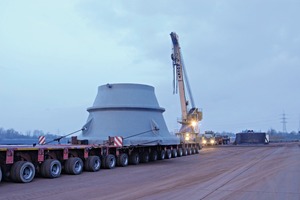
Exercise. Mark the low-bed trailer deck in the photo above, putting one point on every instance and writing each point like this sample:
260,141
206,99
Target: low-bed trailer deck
21,163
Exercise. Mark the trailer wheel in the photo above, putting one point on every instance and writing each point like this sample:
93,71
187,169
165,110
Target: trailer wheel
0,174
196,150
153,155
184,152
174,153
162,155
110,161
134,158
51,168
74,166
168,154
145,157
13,169
189,150
92,164
22,172
179,152
193,150
122,160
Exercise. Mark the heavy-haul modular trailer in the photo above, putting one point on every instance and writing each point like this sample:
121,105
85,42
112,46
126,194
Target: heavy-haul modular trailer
21,163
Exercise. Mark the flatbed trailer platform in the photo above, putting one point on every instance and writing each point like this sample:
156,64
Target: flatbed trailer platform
21,163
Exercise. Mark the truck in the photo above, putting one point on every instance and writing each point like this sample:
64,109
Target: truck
125,126
210,138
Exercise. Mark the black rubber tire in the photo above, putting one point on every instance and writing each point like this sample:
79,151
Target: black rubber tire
22,172
153,155
0,174
92,164
110,161
189,150
51,168
122,160
193,150
13,170
174,153
134,158
196,150
162,155
168,154
184,152
74,166
145,157
179,152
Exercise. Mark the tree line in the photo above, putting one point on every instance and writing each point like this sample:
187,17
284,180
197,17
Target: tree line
13,134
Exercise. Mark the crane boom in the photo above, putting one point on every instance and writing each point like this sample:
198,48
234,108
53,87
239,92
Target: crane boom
177,64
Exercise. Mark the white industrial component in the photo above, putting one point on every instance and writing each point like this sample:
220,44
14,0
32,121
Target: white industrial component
128,110
191,117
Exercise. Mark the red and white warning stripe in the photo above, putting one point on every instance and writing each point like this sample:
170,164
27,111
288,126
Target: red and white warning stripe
42,139
118,141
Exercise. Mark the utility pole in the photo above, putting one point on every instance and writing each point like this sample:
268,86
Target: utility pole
299,126
284,122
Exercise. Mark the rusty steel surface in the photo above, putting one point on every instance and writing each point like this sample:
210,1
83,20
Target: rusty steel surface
242,172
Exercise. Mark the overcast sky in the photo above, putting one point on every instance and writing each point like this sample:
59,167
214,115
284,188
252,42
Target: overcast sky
242,58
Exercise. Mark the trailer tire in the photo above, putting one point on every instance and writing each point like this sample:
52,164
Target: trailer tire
74,165
110,161
22,172
168,154
13,170
51,168
174,153
134,158
0,174
196,150
179,152
184,152
145,157
153,155
193,150
122,160
92,164
189,151
162,155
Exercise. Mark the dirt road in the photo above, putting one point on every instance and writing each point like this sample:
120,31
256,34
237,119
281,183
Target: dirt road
265,172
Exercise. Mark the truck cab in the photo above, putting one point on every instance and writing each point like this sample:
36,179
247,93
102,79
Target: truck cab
208,138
